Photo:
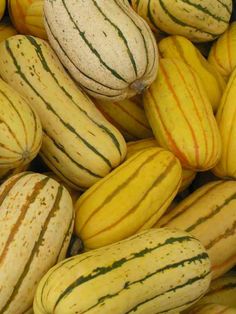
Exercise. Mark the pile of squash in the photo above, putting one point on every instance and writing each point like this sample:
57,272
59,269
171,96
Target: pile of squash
117,156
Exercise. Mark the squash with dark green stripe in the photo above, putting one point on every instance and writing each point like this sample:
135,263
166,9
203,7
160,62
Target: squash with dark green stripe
20,130
79,144
36,222
130,199
108,49
181,116
209,215
116,279
197,20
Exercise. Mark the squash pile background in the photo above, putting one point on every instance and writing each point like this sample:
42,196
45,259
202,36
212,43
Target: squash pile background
117,156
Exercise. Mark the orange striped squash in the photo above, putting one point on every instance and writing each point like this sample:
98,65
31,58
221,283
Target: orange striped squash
127,116
36,222
209,215
226,119
181,116
130,199
223,52
136,146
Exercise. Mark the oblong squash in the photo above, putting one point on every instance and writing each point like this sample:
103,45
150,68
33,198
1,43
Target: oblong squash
223,52
116,279
36,221
226,119
209,215
197,20
127,116
136,146
108,49
79,144
181,116
182,48
20,129
131,198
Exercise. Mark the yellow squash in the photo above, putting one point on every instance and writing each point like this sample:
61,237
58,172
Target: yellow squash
27,17
181,116
209,215
2,8
226,119
136,146
20,129
131,198
144,274
211,308
223,52
182,48
6,30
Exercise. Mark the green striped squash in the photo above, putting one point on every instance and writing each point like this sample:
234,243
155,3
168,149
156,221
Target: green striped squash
79,144
180,114
127,116
226,119
223,52
130,199
108,49
136,146
222,290
36,222
182,48
209,215
116,279
20,129
197,20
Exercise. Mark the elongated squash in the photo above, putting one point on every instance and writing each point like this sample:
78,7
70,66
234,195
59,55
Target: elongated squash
223,52
131,198
20,129
181,116
27,17
116,279
222,290
108,49
79,144
197,20
226,119
182,48
209,215
136,146
212,308
36,221
127,116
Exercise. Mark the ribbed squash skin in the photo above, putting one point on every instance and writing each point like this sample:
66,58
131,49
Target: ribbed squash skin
223,52
108,49
131,198
209,215
222,290
212,308
36,221
181,116
137,146
197,20
226,119
182,48
20,129
27,17
123,282
127,116
79,144
6,30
